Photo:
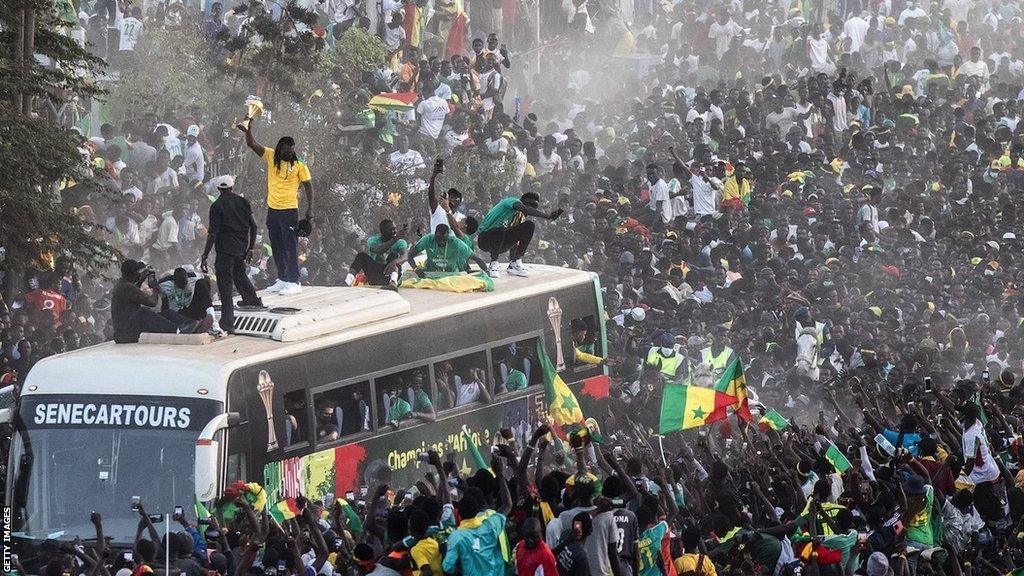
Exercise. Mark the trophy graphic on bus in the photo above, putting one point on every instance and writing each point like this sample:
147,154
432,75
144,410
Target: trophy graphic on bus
266,389
555,316
253,109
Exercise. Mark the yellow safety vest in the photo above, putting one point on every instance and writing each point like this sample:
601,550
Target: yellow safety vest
718,363
667,366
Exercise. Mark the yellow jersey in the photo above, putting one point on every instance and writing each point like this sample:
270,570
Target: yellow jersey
283,181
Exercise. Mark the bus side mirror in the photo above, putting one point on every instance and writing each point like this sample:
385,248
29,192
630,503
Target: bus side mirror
208,454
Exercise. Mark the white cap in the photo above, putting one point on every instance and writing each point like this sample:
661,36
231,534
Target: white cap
192,130
1009,236
638,314
224,182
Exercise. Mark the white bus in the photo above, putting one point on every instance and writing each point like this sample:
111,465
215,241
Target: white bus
300,403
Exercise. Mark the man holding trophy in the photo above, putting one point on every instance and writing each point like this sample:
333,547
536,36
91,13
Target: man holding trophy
285,173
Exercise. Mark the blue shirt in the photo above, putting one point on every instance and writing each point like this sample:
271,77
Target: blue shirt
475,548
910,439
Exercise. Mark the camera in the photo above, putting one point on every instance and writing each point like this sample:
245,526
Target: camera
136,501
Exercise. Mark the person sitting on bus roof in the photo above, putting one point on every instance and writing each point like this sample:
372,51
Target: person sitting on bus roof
383,258
130,302
470,387
443,254
506,229
188,295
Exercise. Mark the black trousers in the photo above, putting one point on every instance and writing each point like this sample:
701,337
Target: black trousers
373,270
284,243
145,320
202,298
514,240
231,274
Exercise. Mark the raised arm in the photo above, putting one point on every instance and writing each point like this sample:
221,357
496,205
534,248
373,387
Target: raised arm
250,140
431,190
531,211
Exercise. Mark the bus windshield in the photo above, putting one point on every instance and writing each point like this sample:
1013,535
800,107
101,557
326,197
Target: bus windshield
63,469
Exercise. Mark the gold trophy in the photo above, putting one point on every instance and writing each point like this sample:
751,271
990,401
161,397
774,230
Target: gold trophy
254,107
555,316
266,390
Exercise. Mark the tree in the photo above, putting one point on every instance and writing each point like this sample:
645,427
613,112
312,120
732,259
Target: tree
37,155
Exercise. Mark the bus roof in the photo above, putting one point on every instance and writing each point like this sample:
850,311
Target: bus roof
146,368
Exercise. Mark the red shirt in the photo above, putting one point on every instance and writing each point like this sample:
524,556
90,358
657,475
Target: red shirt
539,561
45,299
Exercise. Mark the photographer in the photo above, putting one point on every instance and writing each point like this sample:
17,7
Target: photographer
131,304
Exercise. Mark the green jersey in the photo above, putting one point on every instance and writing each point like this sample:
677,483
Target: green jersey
452,257
500,215
395,251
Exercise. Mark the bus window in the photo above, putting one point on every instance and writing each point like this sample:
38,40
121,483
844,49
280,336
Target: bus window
514,365
342,411
296,416
235,468
463,380
586,342
404,396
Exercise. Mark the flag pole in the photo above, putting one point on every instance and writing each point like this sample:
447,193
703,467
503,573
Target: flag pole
661,448
167,543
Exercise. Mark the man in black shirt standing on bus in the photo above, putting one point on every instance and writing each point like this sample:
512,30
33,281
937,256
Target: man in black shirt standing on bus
233,233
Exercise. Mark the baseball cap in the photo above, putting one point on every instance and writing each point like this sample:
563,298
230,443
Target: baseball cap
225,182
192,130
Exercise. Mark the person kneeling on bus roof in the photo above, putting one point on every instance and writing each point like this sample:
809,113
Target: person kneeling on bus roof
506,229
382,261
130,302
187,296
444,254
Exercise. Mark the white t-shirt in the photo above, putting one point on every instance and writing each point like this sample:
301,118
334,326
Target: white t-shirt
722,34
408,162
466,392
495,146
439,216
839,120
167,235
659,193
782,120
453,139
432,113
818,52
548,164
194,164
703,196
975,443
856,29
130,29
490,80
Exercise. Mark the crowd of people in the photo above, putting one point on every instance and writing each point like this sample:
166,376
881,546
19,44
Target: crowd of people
825,191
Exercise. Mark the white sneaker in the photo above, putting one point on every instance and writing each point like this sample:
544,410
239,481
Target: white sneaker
516,270
277,286
291,288
492,270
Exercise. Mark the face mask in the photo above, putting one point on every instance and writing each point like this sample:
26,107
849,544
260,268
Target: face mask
667,351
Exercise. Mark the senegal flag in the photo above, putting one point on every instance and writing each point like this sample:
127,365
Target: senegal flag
734,384
773,420
285,510
563,409
685,406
